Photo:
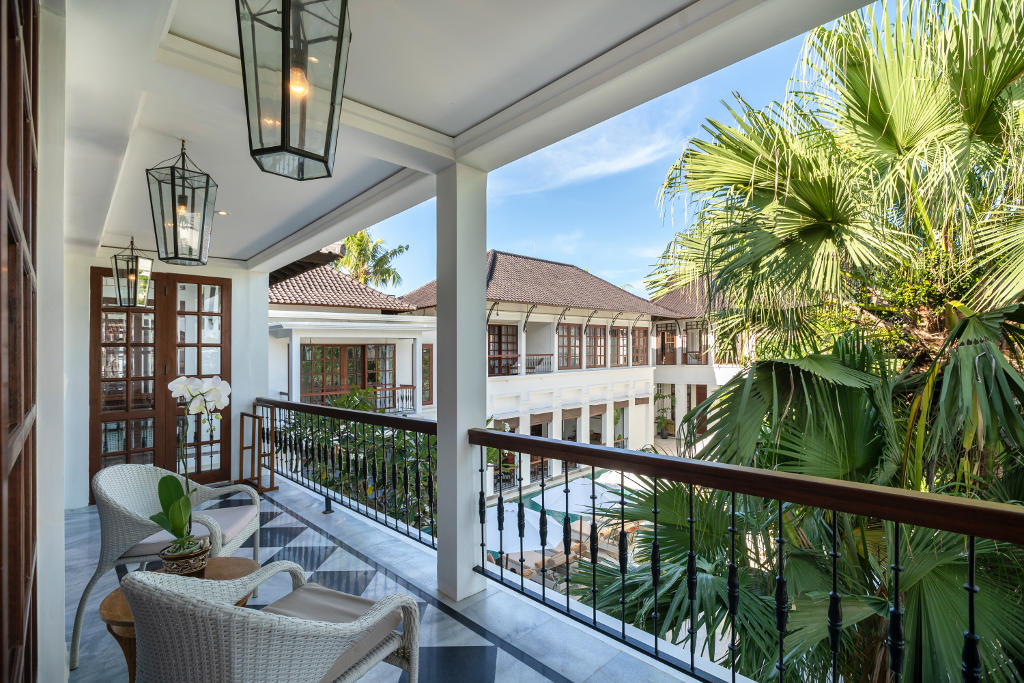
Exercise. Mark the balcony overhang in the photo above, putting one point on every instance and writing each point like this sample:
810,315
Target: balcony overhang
427,87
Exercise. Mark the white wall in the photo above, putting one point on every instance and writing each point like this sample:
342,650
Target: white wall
277,360
50,377
249,346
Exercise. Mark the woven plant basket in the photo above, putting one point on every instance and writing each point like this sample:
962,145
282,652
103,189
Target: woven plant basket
189,564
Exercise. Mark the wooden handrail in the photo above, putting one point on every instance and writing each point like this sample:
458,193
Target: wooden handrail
412,424
984,519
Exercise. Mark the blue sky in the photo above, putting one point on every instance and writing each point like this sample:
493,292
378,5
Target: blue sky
591,199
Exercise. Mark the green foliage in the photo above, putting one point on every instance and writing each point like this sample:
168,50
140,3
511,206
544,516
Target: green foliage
369,464
175,516
368,261
868,229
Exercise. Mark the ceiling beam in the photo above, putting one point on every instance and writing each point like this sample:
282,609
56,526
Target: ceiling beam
391,196
364,129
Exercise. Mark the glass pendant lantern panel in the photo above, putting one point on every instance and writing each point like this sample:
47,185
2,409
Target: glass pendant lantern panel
294,55
183,203
260,28
132,275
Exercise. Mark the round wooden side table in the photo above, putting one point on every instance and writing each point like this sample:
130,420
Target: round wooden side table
117,615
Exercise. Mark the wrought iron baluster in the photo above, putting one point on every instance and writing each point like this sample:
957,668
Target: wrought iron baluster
593,544
623,552
374,487
419,493
566,533
482,509
344,451
501,528
691,577
733,586
543,534
781,598
971,667
431,491
520,520
405,482
835,608
895,641
655,565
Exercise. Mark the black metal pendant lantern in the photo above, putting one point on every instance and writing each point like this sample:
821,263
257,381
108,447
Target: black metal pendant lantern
182,198
132,274
294,54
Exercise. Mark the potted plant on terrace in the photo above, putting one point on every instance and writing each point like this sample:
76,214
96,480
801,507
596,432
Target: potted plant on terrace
187,554
662,419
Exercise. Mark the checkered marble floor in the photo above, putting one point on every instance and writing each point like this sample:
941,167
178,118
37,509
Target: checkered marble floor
492,636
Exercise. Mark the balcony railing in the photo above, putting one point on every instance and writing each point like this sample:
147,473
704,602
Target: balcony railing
501,366
636,577
538,363
399,399
696,358
381,466
609,572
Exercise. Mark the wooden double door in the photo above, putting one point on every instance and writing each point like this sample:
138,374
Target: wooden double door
185,329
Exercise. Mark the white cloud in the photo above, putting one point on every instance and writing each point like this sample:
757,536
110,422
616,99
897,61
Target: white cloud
646,134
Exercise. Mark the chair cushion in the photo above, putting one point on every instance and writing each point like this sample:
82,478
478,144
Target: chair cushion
231,519
316,603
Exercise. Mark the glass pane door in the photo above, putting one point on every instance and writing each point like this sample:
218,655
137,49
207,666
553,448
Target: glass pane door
124,403
201,348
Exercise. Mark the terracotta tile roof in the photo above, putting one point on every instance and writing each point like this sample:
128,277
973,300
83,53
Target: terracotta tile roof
519,279
688,301
328,286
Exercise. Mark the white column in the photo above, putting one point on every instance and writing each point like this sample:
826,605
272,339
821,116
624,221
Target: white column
680,358
524,458
462,390
682,401
51,494
417,374
522,346
556,433
609,422
295,363
554,347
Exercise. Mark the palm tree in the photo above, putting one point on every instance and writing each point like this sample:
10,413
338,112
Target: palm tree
368,261
868,228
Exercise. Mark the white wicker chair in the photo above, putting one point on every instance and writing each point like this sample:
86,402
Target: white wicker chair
190,629
126,495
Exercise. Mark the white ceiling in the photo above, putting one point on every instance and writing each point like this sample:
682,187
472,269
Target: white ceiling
449,64
479,81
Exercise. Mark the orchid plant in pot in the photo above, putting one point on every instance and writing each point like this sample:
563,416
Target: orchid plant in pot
187,554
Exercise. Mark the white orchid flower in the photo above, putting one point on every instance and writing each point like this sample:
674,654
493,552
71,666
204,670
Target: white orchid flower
177,387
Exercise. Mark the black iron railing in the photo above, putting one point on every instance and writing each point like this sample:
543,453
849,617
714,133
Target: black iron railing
381,466
676,556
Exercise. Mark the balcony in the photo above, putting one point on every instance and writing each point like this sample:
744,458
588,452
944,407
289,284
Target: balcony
555,555
495,635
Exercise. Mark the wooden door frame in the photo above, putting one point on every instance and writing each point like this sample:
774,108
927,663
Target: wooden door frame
167,329
165,369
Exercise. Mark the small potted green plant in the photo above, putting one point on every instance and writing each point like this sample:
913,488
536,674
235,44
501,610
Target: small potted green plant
187,554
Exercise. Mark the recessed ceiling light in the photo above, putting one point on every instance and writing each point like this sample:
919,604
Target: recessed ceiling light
222,213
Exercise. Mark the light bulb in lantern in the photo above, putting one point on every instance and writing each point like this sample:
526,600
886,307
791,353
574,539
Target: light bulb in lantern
182,204
297,81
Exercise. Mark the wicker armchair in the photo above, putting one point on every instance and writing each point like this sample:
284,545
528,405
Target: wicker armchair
126,495
190,629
